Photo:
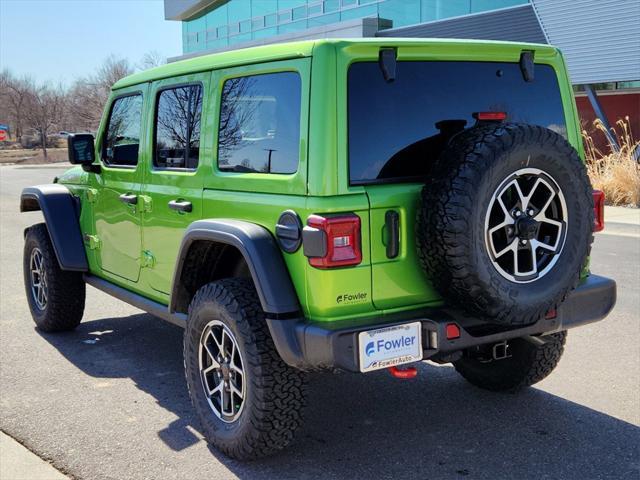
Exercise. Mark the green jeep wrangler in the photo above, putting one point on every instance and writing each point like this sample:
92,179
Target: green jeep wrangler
333,204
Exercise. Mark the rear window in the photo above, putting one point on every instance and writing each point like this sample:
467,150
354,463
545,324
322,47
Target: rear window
398,129
260,123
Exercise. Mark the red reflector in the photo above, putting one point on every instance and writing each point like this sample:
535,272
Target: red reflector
551,314
452,331
342,240
491,116
598,210
403,373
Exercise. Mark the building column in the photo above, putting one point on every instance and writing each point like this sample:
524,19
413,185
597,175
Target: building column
595,104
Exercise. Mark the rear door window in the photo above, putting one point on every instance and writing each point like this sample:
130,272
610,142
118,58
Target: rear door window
122,140
260,123
398,129
177,143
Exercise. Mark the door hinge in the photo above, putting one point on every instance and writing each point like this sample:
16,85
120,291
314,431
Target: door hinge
146,202
147,260
92,241
92,195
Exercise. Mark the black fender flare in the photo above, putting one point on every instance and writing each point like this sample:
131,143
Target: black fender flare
61,212
259,249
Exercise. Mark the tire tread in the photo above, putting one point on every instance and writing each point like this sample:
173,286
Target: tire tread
66,290
277,414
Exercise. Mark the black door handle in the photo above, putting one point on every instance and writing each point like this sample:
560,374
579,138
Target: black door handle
392,224
129,198
180,205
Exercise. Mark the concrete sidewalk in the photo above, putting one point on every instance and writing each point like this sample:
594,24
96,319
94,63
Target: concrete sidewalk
627,215
18,463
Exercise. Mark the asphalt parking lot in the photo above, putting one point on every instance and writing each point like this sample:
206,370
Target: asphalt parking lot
108,401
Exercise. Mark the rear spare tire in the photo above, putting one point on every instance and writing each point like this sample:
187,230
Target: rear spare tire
505,227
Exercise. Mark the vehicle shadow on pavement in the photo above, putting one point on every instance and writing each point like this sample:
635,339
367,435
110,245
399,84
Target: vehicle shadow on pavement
374,426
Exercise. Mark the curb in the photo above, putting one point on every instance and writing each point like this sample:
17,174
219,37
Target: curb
19,463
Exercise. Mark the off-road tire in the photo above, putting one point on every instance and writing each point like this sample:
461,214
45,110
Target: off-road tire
66,290
275,392
529,363
451,221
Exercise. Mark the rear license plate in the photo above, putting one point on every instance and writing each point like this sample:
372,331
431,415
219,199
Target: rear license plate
390,346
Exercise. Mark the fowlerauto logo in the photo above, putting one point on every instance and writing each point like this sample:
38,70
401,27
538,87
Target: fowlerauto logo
351,297
388,345
370,349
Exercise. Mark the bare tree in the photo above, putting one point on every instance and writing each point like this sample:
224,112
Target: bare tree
236,111
151,59
44,110
88,95
14,93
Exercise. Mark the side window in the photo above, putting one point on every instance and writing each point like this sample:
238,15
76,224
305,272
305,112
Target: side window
178,113
122,141
260,124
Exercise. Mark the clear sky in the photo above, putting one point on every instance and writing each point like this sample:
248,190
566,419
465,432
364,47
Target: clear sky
59,40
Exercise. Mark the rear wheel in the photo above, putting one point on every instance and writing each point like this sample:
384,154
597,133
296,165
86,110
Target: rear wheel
527,361
56,297
248,400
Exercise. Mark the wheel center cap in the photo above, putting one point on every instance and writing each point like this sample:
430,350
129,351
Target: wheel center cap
224,368
527,228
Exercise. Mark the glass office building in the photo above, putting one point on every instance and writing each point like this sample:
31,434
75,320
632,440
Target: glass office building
225,24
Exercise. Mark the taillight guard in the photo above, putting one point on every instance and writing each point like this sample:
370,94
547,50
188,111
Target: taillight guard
332,241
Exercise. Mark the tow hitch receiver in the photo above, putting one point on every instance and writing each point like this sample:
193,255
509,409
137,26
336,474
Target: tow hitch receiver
403,373
500,351
493,353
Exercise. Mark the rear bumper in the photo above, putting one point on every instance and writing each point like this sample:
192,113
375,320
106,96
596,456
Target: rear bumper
314,345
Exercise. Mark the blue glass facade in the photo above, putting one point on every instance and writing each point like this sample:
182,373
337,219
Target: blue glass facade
238,21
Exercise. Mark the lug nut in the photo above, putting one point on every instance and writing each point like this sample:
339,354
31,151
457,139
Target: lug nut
517,213
523,241
531,212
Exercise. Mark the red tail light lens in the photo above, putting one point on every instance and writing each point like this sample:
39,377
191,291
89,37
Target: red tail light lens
342,240
490,116
598,210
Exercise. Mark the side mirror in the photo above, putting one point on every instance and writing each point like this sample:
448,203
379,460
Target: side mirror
82,151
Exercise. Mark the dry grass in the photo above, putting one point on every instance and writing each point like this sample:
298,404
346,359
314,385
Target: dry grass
28,156
616,172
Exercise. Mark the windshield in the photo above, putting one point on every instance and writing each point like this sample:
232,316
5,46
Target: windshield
398,129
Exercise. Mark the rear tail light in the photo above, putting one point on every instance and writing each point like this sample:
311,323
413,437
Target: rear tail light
332,241
490,116
598,210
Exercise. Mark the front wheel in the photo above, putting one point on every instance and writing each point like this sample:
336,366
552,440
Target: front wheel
527,361
56,297
248,400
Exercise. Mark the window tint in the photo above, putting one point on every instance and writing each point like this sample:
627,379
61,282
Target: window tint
178,127
122,141
260,124
398,129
